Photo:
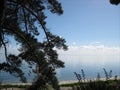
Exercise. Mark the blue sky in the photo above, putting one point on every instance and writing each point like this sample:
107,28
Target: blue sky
87,21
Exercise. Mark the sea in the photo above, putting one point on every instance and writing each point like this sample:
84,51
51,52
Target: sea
67,73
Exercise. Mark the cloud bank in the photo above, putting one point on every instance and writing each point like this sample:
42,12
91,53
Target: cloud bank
90,55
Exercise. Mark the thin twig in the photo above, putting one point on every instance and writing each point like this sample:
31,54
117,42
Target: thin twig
4,45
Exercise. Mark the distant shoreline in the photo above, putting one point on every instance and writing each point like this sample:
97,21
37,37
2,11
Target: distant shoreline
87,80
62,82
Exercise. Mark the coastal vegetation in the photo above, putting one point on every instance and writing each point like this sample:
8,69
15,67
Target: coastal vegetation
113,84
107,83
94,85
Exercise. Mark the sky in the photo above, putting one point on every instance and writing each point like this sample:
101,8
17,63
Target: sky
86,22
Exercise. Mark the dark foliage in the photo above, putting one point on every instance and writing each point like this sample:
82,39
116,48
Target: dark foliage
116,2
20,19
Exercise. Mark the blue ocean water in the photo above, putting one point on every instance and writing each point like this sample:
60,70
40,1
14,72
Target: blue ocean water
67,73
90,72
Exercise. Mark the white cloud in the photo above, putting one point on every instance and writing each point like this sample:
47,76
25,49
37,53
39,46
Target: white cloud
74,43
90,55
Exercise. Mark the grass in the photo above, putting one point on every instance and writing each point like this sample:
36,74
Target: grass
90,85
95,85
13,86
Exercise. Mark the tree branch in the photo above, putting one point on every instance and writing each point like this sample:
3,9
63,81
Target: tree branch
29,10
42,24
28,44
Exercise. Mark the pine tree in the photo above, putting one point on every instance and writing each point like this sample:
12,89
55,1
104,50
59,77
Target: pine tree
20,19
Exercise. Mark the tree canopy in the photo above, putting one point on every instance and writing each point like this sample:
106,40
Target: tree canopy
20,19
116,2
